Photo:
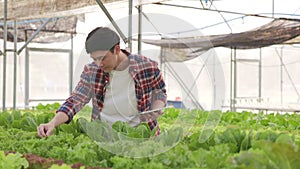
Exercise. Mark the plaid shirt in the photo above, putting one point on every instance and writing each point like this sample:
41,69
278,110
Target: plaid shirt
149,86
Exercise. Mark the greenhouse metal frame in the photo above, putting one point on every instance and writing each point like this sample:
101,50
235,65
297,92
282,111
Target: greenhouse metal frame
98,3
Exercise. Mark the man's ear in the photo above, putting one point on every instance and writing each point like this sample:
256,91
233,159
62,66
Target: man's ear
117,49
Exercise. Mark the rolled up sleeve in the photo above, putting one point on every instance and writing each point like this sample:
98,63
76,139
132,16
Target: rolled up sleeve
159,87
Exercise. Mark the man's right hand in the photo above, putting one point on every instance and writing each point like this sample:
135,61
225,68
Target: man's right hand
45,130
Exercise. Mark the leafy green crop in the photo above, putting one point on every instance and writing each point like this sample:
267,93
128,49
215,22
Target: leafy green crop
214,139
12,161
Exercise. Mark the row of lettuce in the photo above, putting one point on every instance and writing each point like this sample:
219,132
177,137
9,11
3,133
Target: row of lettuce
188,139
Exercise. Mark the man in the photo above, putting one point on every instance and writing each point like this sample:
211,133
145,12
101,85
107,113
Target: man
120,84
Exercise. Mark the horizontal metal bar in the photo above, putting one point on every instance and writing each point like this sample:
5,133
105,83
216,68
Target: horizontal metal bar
10,50
247,60
53,31
247,97
49,50
267,108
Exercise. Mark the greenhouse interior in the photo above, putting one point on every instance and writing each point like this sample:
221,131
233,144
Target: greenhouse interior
229,68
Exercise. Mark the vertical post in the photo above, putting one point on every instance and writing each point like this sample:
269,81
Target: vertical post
4,55
234,80
162,63
140,30
26,73
15,65
273,8
162,59
259,75
130,26
231,79
214,81
281,75
71,66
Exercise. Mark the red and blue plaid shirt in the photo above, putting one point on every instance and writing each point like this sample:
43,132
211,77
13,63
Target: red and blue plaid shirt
149,86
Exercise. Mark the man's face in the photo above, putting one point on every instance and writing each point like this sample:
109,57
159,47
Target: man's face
105,59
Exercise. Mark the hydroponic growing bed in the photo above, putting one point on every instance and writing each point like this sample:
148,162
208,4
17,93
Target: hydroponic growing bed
188,139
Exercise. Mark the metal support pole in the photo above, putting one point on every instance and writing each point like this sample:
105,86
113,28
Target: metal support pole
15,65
161,58
283,66
71,65
273,7
231,71
26,74
214,82
112,21
130,26
259,75
234,90
4,55
34,35
140,29
281,75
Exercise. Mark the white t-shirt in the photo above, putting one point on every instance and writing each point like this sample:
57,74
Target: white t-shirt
120,102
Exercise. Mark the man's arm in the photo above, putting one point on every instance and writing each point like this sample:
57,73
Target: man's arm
159,97
46,129
79,97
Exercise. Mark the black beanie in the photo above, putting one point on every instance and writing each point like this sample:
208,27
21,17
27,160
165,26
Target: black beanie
102,38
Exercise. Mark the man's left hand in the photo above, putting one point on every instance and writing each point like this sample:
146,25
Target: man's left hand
150,116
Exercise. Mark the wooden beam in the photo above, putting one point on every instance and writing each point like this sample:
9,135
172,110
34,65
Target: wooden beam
33,9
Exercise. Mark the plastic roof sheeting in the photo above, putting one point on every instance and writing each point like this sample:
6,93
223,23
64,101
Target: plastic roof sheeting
57,30
33,9
30,15
279,31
